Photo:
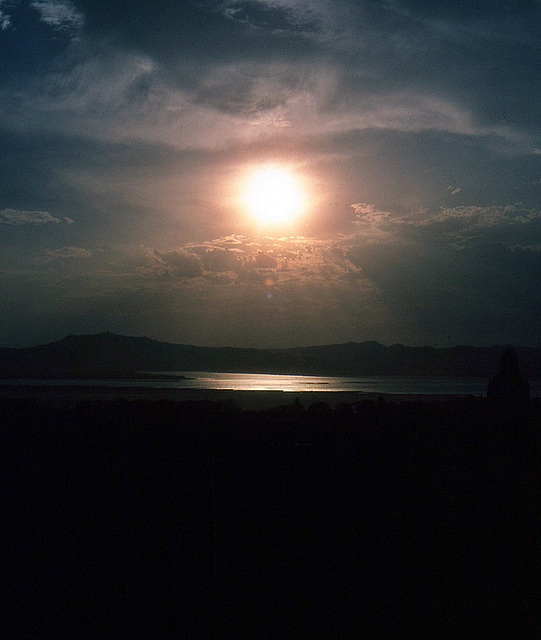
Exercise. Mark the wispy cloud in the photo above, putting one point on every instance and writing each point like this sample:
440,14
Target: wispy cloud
478,217
68,252
16,217
275,16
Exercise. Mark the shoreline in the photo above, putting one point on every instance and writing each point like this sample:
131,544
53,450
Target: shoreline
58,395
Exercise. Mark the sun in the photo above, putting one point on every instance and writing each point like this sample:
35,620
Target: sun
273,196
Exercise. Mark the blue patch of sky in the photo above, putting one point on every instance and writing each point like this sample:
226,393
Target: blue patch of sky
29,45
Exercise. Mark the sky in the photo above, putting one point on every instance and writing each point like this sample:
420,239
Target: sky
129,133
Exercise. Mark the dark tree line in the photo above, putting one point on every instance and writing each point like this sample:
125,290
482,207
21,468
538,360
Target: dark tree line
132,519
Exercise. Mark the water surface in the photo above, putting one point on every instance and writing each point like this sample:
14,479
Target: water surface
199,380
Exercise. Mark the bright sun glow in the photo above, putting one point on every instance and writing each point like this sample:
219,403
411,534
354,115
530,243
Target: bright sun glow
273,196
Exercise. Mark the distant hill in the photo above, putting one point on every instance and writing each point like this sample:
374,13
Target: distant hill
108,354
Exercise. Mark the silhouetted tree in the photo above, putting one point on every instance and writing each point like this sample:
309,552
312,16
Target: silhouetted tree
508,391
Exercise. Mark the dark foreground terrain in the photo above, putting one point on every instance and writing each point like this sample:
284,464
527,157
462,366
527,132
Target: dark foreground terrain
160,519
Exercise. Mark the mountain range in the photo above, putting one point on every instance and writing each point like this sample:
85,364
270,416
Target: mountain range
108,354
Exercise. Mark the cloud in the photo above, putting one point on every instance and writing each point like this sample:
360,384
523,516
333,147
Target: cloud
449,224
363,208
276,16
366,213
5,18
15,217
261,95
176,263
220,260
370,65
192,76
457,228
263,261
286,260
236,261
260,15
60,14
479,217
68,252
